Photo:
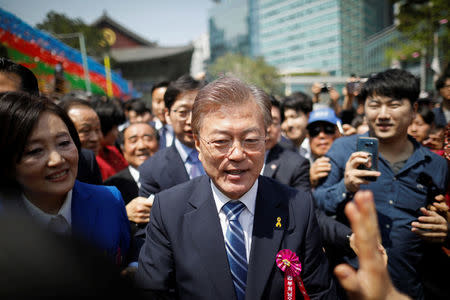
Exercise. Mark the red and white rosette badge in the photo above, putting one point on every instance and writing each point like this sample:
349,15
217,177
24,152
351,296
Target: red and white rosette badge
289,263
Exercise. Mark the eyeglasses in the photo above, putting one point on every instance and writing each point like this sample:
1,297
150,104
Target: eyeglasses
182,113
224,147
316,130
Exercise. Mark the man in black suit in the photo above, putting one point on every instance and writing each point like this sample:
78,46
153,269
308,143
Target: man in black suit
138,142
217,236
293,169
88,170
165,131
281,164
179,162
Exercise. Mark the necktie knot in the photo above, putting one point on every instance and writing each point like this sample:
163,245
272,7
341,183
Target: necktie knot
233,209
59,224
193,157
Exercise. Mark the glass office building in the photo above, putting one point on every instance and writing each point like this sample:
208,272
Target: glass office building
229,28
327,36
375,50
323,35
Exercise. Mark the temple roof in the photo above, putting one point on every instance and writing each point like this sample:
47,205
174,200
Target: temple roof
116,25
147,53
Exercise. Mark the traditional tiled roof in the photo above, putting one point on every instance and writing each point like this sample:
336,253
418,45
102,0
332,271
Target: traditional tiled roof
113,23
147,53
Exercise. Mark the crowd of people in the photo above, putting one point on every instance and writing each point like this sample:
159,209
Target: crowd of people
194,195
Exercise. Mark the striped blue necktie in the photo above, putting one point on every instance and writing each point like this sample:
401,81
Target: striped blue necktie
235,245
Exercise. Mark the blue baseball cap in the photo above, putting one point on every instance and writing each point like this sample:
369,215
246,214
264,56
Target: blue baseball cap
323,115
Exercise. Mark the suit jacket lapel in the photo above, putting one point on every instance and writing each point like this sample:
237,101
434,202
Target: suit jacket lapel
83,219
272,162
207,235
131,185
266,238
175,166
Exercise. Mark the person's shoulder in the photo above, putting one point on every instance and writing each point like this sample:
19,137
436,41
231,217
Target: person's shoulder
174,199
348,140
125,173
87,154
100,194
270,186
297,200
434,158
185,188
156,159
344,145
286,144
292,155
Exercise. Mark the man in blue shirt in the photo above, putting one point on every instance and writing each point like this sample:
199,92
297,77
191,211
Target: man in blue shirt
406,173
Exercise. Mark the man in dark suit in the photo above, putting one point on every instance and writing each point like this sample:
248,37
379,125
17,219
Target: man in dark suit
165,131
179,162
217,236
281,164
88,170
138,142
293,169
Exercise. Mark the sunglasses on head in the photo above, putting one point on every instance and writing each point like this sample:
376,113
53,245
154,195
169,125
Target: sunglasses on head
316,129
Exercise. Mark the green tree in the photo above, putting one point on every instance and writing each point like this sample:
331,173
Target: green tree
58,23
254,71
418,21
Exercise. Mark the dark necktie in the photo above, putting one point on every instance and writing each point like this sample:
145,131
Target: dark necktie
58,224
162,137
235,246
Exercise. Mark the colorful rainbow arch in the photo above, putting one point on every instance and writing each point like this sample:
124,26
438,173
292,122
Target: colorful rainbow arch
41,52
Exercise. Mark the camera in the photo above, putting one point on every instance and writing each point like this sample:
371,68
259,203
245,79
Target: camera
325,88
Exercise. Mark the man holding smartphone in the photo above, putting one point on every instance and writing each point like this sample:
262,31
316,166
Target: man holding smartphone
406,225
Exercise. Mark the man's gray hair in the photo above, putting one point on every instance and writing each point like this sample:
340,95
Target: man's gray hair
228,91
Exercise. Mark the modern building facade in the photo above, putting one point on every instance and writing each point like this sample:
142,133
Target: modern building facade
324,35
200,57
229,28
375,50
320,35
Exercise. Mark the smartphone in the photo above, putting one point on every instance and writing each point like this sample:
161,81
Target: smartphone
370,145
350,87
353,86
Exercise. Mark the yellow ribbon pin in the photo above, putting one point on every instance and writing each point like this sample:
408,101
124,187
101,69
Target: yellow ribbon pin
278,222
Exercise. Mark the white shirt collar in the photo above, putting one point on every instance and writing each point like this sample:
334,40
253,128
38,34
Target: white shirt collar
158,123
135,174
249,198
305,149
265,160
44,218
183,150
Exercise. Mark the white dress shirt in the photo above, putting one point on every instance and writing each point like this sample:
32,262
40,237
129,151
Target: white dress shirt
184,152
135,174
169,136
305,149
245,218
65,212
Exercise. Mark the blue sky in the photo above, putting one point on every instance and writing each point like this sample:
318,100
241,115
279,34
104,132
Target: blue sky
167,22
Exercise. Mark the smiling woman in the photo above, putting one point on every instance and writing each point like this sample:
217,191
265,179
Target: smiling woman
38,167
